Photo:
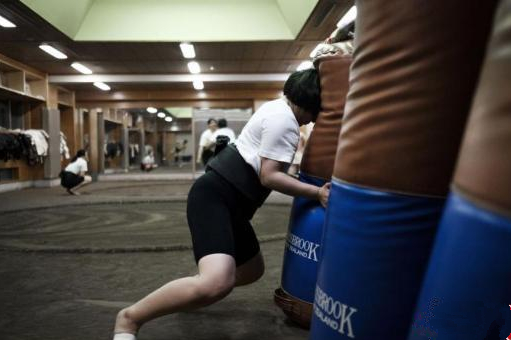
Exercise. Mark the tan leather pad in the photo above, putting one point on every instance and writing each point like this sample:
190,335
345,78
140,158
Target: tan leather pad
414,72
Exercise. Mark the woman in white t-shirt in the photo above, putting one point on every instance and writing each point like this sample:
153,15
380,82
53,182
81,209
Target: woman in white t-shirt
222,202
223,130
148,163
206,150
73,177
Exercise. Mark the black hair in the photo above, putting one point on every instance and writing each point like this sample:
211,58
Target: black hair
185,141
302,88
344,34
210,120
79,153
222,122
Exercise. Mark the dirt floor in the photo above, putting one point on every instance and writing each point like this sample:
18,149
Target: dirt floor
68,264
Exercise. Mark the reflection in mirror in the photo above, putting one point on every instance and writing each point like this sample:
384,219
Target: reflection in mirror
158,141
222,122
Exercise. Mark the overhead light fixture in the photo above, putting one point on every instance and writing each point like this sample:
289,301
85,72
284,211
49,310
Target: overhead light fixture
52,51
212,68
198,84
348,18
102,86
187,50
81,68
304,65
316,49
168,119
151,109
161,115
6,23
194,67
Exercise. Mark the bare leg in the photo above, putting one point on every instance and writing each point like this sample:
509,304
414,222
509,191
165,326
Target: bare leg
251,271
216,279
86,180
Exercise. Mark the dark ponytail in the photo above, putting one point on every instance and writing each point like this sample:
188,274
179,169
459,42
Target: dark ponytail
79,153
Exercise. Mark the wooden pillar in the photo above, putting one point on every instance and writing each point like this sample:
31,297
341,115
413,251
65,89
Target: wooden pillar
51,124
101,140
93,143
142,145
79,120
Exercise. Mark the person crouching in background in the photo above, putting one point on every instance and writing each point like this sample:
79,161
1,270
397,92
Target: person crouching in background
73,177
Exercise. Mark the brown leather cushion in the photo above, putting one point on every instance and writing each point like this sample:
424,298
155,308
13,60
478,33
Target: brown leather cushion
319,154
413,75
484,167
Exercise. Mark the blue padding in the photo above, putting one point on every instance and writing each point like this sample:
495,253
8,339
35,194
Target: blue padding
467,290
301,254
375,249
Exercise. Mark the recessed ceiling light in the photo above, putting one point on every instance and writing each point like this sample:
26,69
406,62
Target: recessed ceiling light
6,23
52,51
194,67
102,86
187,50
198,84
168,119
212,68
151,109
81,68
161,115
348,18
304,65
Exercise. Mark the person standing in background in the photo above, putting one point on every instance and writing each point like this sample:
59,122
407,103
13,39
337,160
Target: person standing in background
223,130
180,146
206,150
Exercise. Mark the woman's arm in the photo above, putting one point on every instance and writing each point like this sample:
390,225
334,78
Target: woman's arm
273,177
199,154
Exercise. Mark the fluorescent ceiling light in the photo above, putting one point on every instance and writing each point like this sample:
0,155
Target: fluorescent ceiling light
151,109
168,119
187,50
194,67
198,84
316,49
52,51
304,65
348,18
161,115
6,23
81,68
102,86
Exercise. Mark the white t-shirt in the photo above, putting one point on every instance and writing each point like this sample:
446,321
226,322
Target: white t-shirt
225,131
205,137
77,166
272,132
148,159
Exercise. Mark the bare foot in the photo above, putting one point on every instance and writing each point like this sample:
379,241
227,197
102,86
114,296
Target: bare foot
123,324
71,192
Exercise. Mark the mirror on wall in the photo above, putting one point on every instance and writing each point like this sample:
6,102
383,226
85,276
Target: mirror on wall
209,123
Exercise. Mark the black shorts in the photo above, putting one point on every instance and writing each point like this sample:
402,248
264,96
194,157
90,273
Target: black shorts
219,219
69,180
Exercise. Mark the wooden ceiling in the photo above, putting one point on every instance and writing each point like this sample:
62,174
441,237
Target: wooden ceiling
22,44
